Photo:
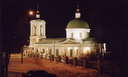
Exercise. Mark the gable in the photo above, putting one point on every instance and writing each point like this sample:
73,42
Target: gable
70,41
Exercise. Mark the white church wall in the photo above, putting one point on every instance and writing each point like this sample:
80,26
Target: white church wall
70,50
77,33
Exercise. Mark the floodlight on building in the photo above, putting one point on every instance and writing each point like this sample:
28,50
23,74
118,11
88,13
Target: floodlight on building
86,50
38,49
75,48
69,48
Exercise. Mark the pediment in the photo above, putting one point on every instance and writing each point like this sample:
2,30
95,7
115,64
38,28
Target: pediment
70,41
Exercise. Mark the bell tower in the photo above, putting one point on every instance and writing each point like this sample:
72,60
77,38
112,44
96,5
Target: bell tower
37,29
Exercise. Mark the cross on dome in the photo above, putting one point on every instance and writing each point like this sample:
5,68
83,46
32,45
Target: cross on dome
38,12
77,14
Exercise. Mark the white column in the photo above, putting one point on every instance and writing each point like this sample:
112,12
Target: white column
38,30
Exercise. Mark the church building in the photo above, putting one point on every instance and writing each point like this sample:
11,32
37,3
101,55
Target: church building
77,43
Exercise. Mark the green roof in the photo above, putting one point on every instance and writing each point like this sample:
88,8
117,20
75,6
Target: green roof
77,23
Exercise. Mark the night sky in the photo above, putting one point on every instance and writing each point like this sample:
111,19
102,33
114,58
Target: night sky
108,20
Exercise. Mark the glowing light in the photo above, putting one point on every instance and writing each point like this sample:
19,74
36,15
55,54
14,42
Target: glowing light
75,48
31,12
44,54
38,49
77,15
69,48
86,50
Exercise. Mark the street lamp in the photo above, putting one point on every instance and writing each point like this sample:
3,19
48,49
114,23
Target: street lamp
31,13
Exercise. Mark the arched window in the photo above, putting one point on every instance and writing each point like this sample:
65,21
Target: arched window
34,30
41,30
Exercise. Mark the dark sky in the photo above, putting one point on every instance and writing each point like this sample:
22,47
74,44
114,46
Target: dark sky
108,20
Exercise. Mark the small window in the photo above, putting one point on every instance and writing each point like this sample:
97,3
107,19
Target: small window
72,35
80,34
41,30
71,53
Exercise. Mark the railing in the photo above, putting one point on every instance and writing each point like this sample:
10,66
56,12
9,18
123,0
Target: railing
106,67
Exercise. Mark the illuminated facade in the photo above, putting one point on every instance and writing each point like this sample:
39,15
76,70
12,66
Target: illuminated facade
76,44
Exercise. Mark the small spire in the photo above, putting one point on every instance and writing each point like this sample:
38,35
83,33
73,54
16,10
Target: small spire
77,14
37,8
38,12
